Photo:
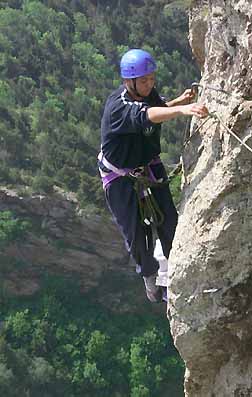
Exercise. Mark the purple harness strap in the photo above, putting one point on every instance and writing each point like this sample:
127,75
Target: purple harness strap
110,177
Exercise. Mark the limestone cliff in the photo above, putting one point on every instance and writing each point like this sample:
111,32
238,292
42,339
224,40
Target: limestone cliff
63,241
210,270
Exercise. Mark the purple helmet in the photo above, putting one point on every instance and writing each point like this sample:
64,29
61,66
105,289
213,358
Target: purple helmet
137,63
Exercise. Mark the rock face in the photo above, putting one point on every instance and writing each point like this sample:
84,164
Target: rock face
210,270
60,242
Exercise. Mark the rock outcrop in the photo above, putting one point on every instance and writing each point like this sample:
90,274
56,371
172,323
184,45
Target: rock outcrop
62,241
210,270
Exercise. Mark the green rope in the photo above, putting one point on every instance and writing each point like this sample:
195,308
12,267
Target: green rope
148,206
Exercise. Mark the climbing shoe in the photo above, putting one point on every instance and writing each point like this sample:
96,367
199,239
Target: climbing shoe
153,292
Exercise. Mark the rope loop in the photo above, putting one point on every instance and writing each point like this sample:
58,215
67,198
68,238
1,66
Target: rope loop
150,213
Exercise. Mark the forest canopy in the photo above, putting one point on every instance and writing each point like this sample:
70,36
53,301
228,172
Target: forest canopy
59,60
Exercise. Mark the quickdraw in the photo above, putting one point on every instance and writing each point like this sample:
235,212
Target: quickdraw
150,213
196,86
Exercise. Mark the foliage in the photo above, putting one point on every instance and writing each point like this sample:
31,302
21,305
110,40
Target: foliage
58,63
61,343
11,228
59,60
175,187
177,6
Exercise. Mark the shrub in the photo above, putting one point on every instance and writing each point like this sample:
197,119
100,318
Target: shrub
11,228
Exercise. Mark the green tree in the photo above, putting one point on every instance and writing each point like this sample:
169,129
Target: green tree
11,228
6,380
62,343
59,60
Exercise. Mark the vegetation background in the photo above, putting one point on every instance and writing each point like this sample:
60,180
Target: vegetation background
59,60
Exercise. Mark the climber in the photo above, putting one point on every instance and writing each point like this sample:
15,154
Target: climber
130,149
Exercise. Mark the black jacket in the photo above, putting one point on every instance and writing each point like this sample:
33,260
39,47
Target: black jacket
128,138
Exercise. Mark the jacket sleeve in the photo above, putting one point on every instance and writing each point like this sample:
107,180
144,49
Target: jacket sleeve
130,118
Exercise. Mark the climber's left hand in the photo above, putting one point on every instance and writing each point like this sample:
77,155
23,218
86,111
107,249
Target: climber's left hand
185,98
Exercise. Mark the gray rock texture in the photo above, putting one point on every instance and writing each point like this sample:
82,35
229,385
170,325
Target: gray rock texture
63,241
210,269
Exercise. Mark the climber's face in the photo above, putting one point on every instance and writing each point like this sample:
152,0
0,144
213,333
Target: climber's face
143,85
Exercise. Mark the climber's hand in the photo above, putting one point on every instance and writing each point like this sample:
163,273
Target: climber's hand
195,109
185,98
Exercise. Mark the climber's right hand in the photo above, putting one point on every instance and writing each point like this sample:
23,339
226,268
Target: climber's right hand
195,109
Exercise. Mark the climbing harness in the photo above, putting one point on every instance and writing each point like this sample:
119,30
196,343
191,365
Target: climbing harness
149,210
144,180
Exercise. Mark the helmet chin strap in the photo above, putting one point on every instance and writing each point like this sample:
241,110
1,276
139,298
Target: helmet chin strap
135,89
